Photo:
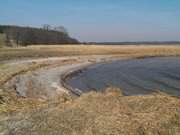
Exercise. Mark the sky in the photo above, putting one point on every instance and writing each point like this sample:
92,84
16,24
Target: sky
99,20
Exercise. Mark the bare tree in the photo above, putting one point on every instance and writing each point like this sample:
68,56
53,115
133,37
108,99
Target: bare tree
61,29
7,40
22,36
46,27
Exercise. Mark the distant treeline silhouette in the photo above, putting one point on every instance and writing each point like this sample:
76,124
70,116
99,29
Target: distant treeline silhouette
23,36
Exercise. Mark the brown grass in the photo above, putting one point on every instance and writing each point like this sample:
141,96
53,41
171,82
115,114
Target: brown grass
9,101
7,72
62,50
108,113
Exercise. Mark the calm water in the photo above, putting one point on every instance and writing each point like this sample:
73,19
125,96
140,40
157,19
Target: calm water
136,76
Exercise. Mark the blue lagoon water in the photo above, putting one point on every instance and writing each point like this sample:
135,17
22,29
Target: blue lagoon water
133,76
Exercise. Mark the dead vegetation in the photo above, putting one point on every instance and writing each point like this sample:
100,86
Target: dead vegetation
7,72
108,113
62,50
9,100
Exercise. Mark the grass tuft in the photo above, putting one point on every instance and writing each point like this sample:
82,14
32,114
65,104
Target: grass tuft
107,113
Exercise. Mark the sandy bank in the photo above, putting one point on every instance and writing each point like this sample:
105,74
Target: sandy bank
46,82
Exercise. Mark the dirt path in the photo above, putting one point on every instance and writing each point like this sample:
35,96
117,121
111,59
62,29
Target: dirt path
46,82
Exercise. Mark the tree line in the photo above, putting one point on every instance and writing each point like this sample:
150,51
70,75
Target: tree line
23,36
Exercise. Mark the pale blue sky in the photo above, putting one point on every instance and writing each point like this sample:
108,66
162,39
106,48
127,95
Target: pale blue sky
99,20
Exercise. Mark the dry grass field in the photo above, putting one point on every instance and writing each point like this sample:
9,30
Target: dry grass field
64,50
108,113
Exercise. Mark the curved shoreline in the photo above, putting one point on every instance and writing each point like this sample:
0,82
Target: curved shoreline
89,62
79,88
49,80
64,77
68,74
53,78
